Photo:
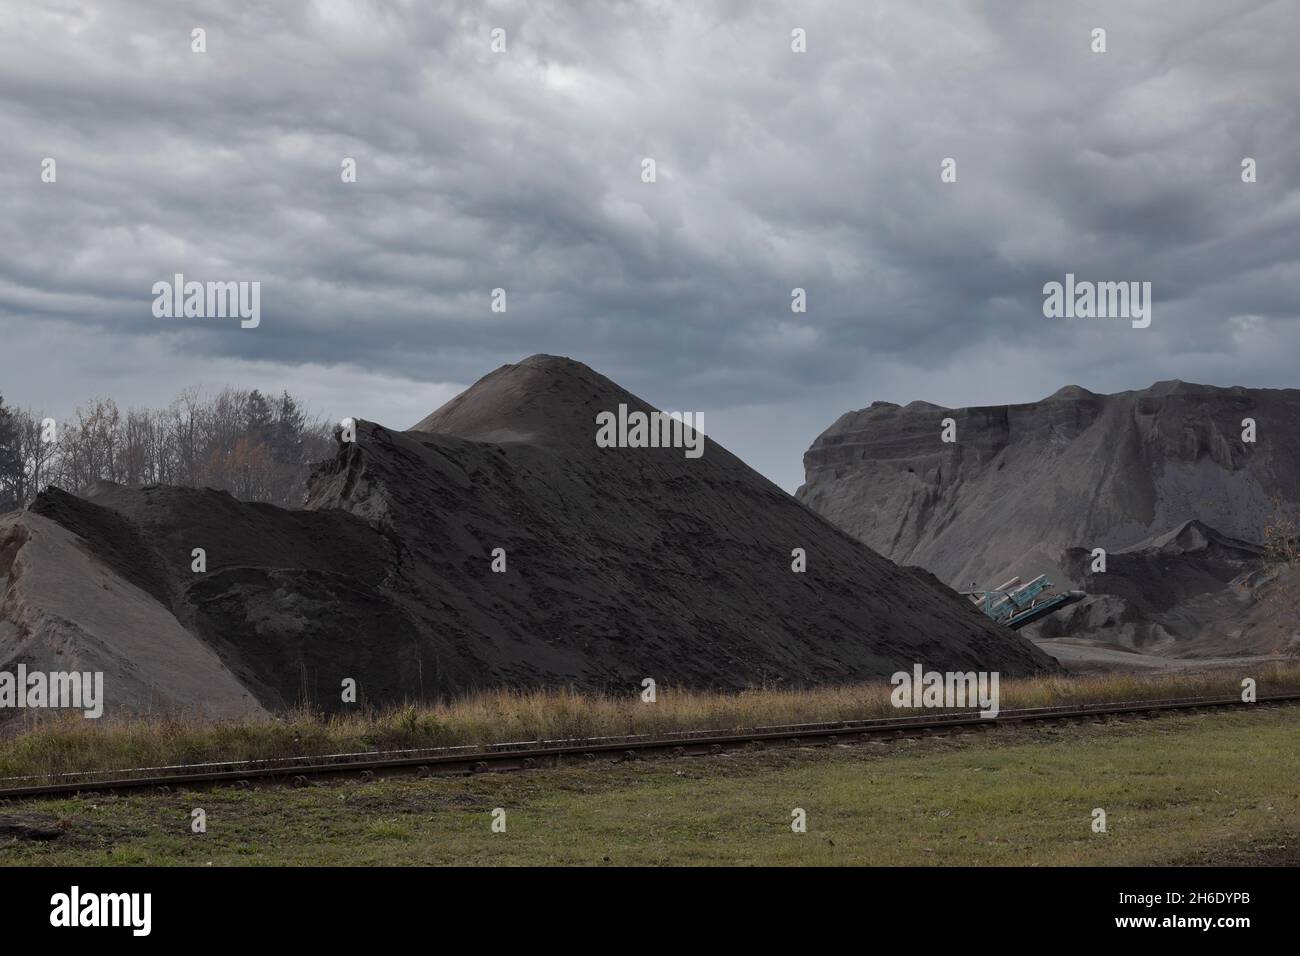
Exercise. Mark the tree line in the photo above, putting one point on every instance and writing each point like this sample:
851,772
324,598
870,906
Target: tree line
256,447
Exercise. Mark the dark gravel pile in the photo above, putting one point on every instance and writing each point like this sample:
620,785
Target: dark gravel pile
621,564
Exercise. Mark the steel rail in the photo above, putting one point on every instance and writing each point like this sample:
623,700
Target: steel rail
516,755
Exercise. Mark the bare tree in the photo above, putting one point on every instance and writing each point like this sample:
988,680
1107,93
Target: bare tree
11,463
256,448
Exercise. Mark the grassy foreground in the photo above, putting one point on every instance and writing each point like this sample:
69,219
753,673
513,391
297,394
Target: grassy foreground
42,744
1197,788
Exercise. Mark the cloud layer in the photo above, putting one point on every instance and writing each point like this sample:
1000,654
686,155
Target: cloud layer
522,170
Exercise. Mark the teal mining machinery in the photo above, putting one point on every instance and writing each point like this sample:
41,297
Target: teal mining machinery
1015,604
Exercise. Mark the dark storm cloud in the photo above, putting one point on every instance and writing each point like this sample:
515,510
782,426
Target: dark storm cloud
776,170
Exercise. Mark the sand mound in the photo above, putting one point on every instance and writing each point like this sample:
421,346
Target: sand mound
1161,479
1023,483
1190,592
66,609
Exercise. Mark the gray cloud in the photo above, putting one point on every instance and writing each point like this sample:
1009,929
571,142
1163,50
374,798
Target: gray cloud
776,170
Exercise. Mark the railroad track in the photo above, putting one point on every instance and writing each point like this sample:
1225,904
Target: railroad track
521,755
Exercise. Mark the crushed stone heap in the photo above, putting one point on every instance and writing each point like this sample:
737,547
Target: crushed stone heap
620,564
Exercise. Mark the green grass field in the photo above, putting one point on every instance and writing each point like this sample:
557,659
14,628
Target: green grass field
1219,787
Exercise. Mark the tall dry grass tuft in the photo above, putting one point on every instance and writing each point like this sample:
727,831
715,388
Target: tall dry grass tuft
43,744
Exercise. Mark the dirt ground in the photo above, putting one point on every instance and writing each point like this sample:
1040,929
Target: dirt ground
1087,657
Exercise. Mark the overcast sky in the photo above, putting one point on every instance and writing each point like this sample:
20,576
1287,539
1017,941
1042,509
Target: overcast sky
523,170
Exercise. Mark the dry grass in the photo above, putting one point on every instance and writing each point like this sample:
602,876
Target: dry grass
46,744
